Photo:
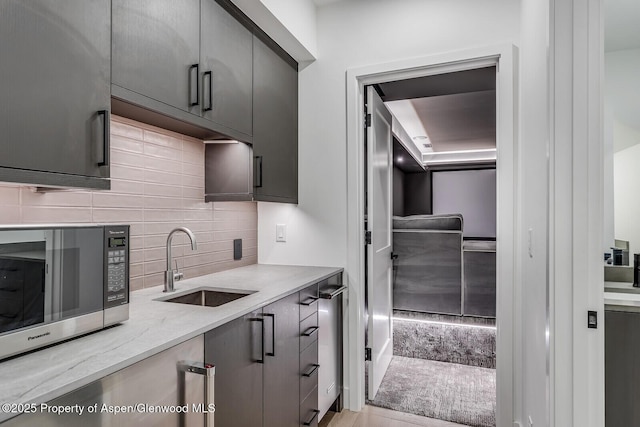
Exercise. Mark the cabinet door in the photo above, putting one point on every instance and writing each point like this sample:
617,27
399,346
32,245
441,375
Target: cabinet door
235,349
621,373
227,68
281,363
55,74
155,45
275,126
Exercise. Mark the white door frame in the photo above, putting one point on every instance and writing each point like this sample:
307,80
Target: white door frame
504,58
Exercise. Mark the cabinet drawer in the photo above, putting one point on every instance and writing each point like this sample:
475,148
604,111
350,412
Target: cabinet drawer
308,370
308,331
308,301
309,410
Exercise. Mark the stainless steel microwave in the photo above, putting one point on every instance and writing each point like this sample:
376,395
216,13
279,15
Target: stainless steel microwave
60,281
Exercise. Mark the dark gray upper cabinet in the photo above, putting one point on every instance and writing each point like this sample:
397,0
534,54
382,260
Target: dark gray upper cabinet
55,91
188,61
155,44
226,53
275,125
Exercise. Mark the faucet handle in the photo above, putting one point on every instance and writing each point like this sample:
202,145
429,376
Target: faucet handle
177,274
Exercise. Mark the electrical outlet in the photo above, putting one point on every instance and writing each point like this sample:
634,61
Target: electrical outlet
281,232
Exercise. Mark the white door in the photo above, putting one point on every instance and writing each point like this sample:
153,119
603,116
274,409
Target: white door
379,264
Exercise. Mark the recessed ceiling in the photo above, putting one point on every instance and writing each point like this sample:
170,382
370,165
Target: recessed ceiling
456,111
621,28
463,121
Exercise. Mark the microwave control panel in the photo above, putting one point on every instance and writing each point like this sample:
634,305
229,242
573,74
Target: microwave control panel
117,265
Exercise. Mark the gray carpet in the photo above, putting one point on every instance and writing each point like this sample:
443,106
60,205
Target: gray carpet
446,391
453,340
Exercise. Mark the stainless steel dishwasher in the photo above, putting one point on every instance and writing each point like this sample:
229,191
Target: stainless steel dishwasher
330,348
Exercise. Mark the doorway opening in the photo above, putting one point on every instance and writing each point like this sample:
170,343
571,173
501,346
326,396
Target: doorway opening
431,253
370,327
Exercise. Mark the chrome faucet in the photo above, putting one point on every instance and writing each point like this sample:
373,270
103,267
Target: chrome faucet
171,275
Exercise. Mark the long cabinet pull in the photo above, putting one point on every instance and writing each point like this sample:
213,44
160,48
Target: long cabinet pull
310,331
208,371
209,106
309,300
313,370
103,154
258,174
313,417
197,80
273,334
257,319
333,293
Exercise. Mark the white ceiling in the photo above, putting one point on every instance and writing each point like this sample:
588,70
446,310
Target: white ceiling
455,111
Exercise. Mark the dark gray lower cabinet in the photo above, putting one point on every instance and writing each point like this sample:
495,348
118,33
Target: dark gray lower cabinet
275,125
622,371
237,351
55,91
281,373
257,375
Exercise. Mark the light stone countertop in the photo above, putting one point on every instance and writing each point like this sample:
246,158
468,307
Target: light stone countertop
153,326
621,296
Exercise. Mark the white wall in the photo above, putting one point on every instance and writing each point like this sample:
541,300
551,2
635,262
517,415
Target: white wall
531,293
622,134
627,203
355,33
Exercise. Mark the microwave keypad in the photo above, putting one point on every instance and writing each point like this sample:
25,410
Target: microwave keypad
116,274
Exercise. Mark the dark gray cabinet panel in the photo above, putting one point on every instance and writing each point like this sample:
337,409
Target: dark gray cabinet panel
275,125
226,68
622,372
236,351
155,44
55,74
282,358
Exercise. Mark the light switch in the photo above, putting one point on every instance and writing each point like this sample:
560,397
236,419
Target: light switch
281,232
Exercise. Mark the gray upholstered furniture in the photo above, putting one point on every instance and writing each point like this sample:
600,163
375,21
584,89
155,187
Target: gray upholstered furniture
479,278
428,267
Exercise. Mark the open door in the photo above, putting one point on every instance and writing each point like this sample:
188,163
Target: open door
379,263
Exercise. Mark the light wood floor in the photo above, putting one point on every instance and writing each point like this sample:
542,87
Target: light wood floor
372,416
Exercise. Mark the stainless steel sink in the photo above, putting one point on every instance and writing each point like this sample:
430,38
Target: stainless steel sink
208,297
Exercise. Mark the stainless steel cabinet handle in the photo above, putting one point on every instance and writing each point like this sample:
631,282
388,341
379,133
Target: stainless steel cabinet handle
208,107
273,334
208,371
103,157
257,319
334,293
310,331
313,417
308,301
313,370
197,74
